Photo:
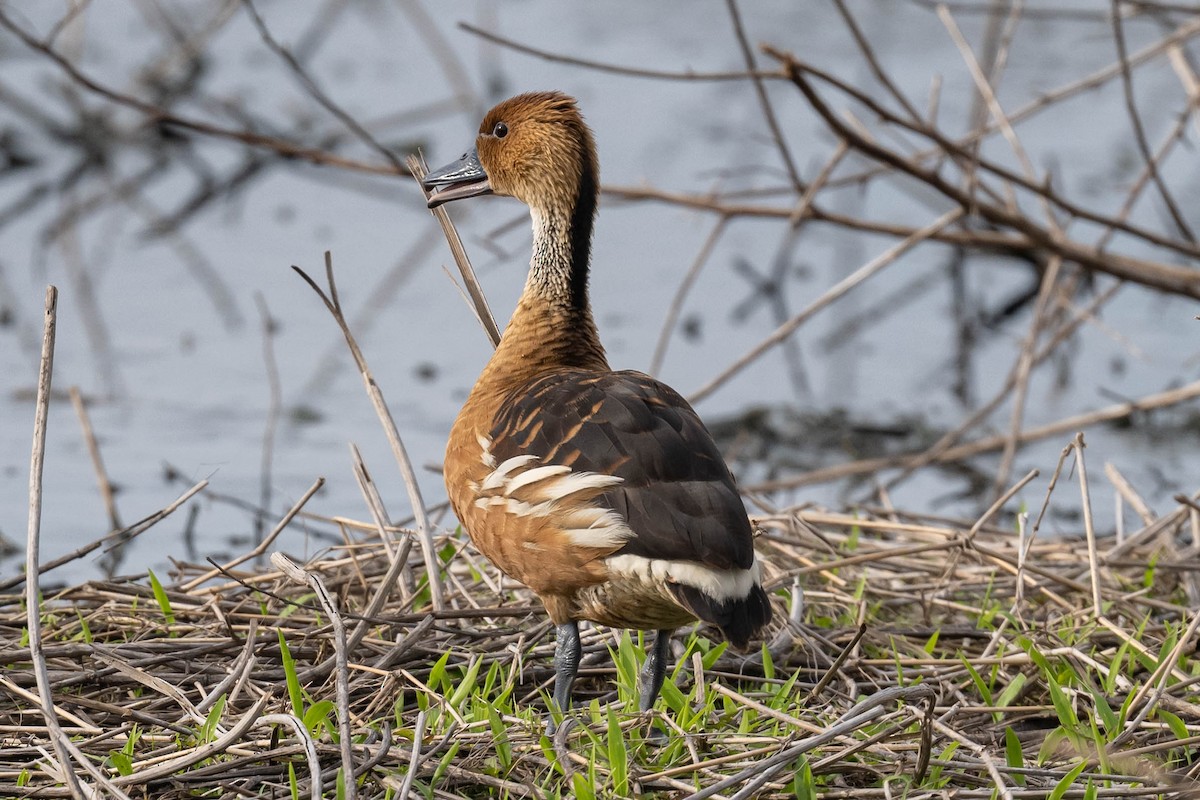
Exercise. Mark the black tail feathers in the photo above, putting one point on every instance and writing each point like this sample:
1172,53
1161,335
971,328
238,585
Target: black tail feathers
739,618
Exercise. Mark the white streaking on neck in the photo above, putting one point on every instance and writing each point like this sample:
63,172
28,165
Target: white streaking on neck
550,265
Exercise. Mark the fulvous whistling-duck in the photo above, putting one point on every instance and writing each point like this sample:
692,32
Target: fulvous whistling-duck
601,491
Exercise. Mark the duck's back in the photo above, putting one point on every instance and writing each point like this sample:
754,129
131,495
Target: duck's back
613,483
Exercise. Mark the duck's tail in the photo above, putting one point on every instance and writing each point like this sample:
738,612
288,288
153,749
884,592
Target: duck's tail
739,618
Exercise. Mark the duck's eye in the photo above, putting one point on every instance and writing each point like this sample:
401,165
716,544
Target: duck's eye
500,131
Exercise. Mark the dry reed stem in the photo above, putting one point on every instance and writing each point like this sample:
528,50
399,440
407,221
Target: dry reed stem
833,293
672,316
987,444
271,425
333,305
198,642
1024,368
479,304
1088,528
89,437
1139,130
764,100
341,671
263,546
1182,280
379,515
33,600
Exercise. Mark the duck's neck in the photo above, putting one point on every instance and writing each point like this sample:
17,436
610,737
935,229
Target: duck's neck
558,271
552,327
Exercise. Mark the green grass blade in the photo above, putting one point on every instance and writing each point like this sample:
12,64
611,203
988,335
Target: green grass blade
504,750
295,693
583,788
1013,689
1104,710
1062,705
985,691
618,762
1068,780
160,594
208,731
321,715
708,659
803,786
768,663
467,684
444,764
1177,726
122,763
1013,754
437,675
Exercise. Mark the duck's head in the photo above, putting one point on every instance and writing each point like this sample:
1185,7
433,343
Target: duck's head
534,147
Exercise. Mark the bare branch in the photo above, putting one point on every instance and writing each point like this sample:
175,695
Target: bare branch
1139,130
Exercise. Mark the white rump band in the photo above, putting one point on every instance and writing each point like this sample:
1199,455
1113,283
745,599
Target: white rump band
719,584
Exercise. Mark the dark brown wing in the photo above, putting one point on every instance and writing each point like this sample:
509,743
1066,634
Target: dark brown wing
677,493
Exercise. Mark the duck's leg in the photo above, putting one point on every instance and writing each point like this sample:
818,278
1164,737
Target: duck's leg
567,652
655,669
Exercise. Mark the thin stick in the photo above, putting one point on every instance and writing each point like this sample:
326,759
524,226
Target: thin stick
262,546
1128,494
988,94
1023,370
668,327
617,69
987,444
834,292
342,670
89,436
1001,787
83,725
283,147
1024,237
399,565
121,536
858,716
370,493
1139,131
869,54
1182,280
310,749
1022,552
1089,529
429,551
950,438
837,664
479,303
1169,141
1157,681
801,211
33,605
274,406
763,99
999,502
447,57
205,751
315,91
1164,524
414,758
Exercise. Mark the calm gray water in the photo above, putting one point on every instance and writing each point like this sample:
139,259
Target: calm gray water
164,335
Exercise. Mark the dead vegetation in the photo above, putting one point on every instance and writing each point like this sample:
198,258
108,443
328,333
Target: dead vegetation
920,656
914,656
